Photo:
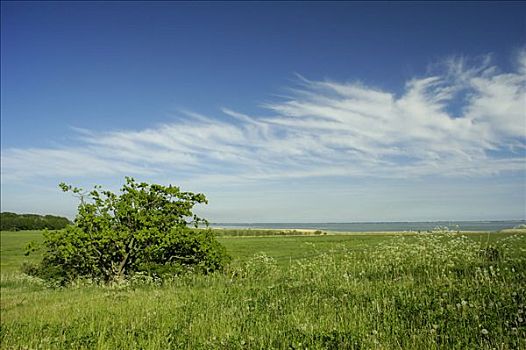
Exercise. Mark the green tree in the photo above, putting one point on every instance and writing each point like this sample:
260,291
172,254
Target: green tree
147,227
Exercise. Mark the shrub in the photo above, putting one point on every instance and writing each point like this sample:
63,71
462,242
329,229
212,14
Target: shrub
144,228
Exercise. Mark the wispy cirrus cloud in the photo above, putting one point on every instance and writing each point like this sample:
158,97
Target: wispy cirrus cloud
468,120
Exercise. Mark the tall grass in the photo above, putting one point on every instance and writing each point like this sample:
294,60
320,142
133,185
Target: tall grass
426,292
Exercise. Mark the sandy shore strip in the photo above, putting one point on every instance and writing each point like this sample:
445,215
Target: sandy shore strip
299,232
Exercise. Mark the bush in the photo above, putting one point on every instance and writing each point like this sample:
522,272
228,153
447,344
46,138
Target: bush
145,228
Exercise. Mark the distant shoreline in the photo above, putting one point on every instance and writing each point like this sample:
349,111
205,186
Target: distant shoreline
295,232
424,226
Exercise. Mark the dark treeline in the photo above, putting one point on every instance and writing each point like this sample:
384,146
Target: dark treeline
15,222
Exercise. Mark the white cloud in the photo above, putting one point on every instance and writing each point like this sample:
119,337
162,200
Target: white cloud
30,163
326,128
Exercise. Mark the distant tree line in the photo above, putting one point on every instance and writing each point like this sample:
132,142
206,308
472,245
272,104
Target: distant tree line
15,222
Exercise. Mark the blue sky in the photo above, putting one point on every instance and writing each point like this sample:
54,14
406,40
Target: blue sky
277,111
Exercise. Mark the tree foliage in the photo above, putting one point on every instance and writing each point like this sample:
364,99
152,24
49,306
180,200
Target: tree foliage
16,222
144,228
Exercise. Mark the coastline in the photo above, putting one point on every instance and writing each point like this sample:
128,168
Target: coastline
299,232
422,227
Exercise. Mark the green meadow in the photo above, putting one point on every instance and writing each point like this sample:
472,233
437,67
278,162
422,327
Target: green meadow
334,291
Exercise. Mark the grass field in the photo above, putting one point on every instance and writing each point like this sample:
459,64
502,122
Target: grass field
366,291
